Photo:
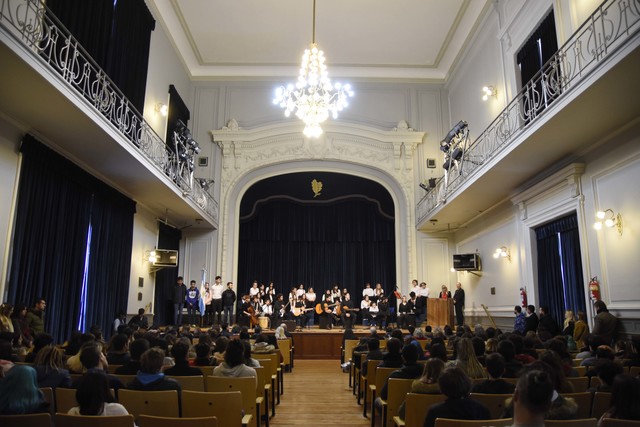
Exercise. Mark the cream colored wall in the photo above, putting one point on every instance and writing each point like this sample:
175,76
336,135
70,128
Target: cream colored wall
10,136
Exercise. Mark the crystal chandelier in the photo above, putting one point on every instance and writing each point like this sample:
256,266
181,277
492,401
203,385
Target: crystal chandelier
314,96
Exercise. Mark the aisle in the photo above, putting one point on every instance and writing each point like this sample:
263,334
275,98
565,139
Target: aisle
317,393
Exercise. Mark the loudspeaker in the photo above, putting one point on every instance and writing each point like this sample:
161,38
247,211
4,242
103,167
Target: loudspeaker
291,325
431,163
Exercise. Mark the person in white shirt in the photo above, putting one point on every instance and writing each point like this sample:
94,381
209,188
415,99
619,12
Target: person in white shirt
378,293
267,310
373,312
216,299
421,305
94,397
415,287
205,293
311,302
367,291
336,295
293,297
300,290
254,290
364,308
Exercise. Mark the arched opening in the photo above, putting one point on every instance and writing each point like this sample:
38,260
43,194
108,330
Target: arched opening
319,229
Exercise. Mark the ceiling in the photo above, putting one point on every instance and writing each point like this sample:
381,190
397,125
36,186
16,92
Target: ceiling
377,39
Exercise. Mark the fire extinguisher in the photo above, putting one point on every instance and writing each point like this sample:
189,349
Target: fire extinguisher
523,297
594,289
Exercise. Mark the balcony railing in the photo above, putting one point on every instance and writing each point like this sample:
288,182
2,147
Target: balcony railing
50,42
609,27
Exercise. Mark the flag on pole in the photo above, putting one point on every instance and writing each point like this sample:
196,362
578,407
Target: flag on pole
201,301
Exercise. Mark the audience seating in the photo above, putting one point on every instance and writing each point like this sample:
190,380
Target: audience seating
595,382
347,353
125,379
65,399
29,420
396,393
601,403
64,420
263,390
151,421
580,384
246,386
206,370
191,383
581,370
576,362
271,378
47,392
634,371
584,403
226,406
494,402
381,376
112,368
446,422
586,422
416,408
366,380
287,353
158,403
276,372
612,422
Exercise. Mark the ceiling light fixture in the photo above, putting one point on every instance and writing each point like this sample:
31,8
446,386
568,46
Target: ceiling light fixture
313,96
489,91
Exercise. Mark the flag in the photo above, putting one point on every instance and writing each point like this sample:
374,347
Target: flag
202,290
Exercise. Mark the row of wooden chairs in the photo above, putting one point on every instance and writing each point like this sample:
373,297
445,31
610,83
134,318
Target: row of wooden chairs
64,420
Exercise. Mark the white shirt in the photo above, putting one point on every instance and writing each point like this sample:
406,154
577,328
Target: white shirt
367,291
253,291
299,292
364,304
424,292
108,409
216,291
416,290
373,309
311,296
267,309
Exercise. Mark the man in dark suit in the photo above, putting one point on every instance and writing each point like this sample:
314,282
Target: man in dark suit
531,323
605,324
458,304
547,323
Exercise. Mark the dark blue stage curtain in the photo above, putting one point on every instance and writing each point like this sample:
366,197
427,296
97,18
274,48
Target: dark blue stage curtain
57,202
560,284
168,238
346,243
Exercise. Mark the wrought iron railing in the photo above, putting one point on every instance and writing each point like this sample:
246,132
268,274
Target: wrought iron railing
609,27
50,42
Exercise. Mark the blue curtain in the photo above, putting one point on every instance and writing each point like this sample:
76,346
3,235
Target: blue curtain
346,243
559,266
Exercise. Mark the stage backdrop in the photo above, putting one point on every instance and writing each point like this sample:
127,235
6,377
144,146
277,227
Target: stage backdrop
318,229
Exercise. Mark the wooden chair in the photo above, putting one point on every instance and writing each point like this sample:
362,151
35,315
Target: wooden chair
28,420
112,368
226,406
601,404
158,403
634,371
347,351
416,408
612,422
587,422
206,370
272,376
576,362
65,399
151,421
382,374
397,390
493,402
47,392
595,382
287,353
191,383
580,384
584,403
581,370
446,422
365,380
125,379
245,385
263,390
65,420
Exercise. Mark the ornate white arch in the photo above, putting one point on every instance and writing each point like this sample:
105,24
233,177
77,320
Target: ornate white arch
386,157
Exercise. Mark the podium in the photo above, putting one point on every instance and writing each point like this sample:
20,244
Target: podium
440,312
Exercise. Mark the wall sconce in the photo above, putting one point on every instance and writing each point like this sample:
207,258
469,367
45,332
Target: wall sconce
151,256
502,252
163,109
489,91
610,219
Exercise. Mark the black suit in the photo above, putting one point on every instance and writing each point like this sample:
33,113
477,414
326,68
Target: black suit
531,323
458,304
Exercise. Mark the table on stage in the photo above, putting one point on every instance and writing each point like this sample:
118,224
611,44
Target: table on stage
440,312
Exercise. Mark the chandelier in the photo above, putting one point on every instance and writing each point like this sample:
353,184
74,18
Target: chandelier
313,97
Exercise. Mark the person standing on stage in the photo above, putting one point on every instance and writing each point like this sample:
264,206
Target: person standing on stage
228,301
404,309
300,291
348,316
378,293
336,295
421,306
415,287
254,290
458,304
445,293
178,297
192,300
310,300
365,304
300,307
271,293
244,313
293,297
383,312
279,310
216,299
367,291
205,293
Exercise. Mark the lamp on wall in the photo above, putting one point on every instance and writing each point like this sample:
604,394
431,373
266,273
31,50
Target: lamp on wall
488,91
151,256
163,109
502,252
609,218
313,96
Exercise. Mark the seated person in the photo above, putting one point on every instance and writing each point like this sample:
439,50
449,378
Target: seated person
140,320
233,365
203,355
459,406
95,398
532,398
180,353
495,384
625,394
149,378
93,360
410,369
606,371
392,358
136,349
118,353
50,368
374,354
19,393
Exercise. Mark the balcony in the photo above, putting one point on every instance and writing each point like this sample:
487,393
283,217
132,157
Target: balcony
587,91
50,87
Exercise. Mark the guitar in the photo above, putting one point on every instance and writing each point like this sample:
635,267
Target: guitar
297,311
321,307
282,310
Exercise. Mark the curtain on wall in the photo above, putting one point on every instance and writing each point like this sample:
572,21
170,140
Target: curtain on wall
560,284
57,205
168,238
346,243
178,111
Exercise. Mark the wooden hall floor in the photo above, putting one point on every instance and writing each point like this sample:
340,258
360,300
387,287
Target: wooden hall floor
317,393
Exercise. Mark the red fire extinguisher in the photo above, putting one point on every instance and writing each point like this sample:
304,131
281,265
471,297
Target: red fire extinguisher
594,289
523,297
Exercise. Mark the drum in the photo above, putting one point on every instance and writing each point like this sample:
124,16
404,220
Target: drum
263,322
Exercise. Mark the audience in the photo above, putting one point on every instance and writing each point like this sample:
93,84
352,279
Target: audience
607,370
203,355
136,349
455,385
19,393
50,368
94,397
118,353
392,358
625,395
532,399
149,377
466,360
233,365
495,384
180,353
374,354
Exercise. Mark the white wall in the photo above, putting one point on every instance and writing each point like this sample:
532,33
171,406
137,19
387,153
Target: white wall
145,238
10,137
